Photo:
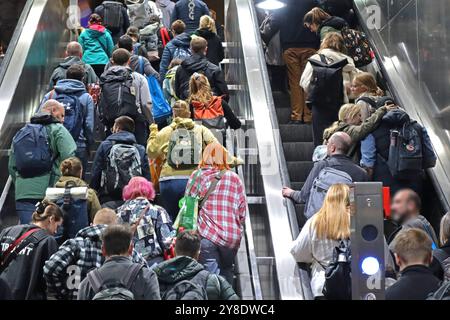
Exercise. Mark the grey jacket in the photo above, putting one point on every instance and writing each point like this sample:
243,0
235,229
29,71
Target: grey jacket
145,286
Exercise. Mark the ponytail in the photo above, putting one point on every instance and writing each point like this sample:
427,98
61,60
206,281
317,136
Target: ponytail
46,209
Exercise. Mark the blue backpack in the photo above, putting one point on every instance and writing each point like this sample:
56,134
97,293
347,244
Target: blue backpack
161,109
75,214
74,117
32,151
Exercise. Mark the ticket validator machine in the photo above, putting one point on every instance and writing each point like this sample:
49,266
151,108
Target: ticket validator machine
367,241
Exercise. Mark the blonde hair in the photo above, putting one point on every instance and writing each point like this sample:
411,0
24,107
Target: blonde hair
412,244
445,229
199,89
368,81
333,41
206,22
333,219
346,112
181,109
71,167
316,16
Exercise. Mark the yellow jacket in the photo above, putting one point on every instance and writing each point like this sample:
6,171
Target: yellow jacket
158,145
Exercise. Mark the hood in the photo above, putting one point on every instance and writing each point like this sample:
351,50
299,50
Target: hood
68,61
150,29
334,22
96,31
177,269
182,122
182,40
114,73
63,180
123,136
92,232
195,63
164,3
70,86
205,33
396,118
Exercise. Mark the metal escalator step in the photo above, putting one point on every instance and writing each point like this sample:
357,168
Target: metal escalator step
296,133
298,151
281,99
299,170
283,115
297,185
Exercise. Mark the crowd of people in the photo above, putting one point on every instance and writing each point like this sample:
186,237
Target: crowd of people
360,134
115,228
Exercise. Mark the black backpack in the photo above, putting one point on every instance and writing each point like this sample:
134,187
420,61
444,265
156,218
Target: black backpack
326,85
116,289
406,151
112,15
117,96
443,293
193,289
338,285
378,103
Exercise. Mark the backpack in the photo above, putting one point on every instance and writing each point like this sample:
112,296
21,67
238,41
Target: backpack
123,163
75,209
117,289
358,47
406,151
161,110
117,96
74,115
444,260
443,293
181,53
327,177
150,41
112,15
210,114
193,289
185,150
326,86
338,284
376,104
32,151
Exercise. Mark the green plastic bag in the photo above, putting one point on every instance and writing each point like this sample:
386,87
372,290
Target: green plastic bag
188,214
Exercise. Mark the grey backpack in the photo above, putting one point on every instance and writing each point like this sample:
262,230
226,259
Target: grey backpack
124,163
114,289
327,177
193,289
443,293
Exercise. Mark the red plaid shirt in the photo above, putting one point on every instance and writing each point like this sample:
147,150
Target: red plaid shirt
221,220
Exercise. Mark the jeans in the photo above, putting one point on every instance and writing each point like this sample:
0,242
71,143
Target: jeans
83,155
25,209
296,60
171,192
222,256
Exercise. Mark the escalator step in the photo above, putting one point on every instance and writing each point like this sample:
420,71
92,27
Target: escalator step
296,133
297,185
281,99
298,151
299,170
283,115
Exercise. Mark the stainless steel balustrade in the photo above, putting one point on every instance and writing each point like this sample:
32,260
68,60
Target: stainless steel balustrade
255,103
26,69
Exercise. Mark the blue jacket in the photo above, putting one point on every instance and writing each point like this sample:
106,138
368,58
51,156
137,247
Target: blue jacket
77,88
101,156
181,41
190,11
97,45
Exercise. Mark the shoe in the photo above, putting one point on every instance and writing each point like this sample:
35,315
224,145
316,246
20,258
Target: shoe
295,122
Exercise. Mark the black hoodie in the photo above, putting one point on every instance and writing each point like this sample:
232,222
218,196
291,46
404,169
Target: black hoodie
215,53
199,63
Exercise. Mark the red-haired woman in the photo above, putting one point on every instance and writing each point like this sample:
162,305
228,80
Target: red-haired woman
222,215
153,225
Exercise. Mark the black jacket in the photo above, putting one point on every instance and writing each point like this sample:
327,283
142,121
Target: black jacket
339,162
441,262
100,10
215,53
289,20
415,283
199,63
145,286
24,274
